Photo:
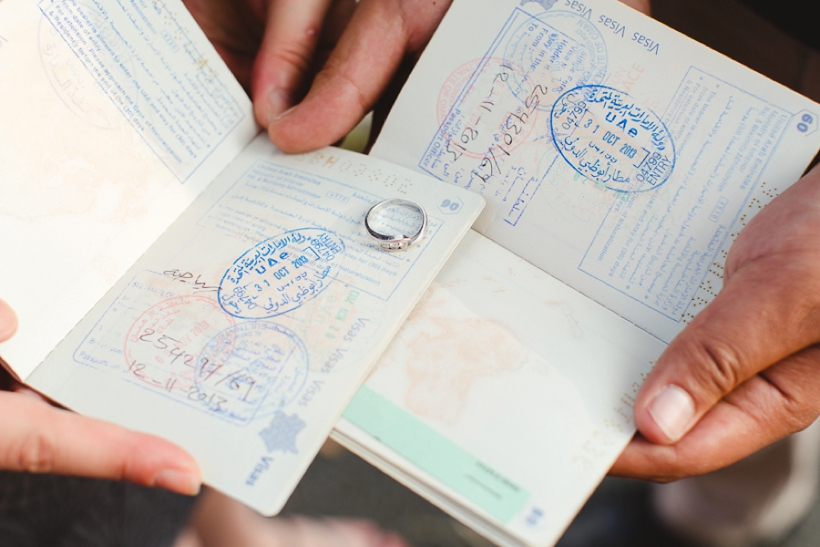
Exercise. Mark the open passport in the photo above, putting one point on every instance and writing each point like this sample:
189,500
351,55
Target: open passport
176,274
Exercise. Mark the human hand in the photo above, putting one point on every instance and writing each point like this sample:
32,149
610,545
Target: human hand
275,47
39,438
746,371
381,39
641,5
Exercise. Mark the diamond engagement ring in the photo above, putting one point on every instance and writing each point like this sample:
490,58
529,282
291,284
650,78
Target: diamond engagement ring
398,241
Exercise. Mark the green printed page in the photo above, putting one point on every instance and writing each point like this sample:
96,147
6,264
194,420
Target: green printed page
439,456
505,391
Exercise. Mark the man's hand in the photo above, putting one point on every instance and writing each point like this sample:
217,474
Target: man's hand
641,5
382,36
273,47
39,438
746,371
276,47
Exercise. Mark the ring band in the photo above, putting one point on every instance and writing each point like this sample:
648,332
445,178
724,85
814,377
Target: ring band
396,242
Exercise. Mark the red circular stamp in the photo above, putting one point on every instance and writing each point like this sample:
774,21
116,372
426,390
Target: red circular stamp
452,88
163,345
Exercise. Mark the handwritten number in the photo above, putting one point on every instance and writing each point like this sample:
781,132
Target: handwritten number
250,387
160,344
137,370
456,155
466,138
479,175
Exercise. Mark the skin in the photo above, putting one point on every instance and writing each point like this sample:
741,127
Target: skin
40,438
364,72
276,47
750,360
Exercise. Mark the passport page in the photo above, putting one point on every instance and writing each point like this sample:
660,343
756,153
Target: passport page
614,153
245,329
114,116
504,398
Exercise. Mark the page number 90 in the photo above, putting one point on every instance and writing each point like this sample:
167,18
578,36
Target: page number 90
450,206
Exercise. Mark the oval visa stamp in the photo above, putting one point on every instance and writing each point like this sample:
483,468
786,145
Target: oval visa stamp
607,137
250,370
280,274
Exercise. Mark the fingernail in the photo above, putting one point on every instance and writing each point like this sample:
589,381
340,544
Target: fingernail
278,105
8,321
283,114
672,409
182,482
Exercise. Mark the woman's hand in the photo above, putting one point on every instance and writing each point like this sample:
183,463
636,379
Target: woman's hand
39,438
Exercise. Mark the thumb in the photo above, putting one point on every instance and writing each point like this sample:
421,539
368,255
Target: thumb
8,321
758,319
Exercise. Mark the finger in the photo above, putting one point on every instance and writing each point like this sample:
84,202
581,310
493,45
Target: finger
234,29
357,72
641,5
17,387
284,58
336,21
779,401
41,439
8,321
759,318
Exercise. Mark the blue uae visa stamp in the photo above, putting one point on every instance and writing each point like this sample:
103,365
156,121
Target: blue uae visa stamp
280,274
606,136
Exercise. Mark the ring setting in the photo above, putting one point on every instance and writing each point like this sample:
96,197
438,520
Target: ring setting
395,242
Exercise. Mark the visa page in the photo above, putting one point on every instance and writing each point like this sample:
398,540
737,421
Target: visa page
504,398
619,160
245,329
614,153
115,115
